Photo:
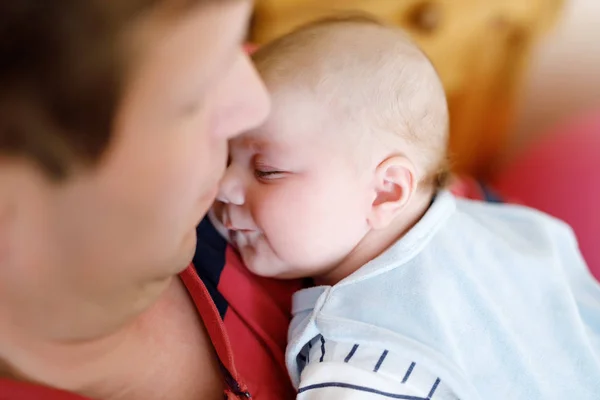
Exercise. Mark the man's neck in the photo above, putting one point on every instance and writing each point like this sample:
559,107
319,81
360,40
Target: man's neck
376,242
137,362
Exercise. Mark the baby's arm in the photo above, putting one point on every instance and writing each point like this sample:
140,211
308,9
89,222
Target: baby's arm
362,372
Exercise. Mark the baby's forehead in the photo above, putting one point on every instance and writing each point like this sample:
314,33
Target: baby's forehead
272,137
296,116
291,131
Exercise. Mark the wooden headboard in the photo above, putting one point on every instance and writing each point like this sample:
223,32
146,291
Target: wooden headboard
480,48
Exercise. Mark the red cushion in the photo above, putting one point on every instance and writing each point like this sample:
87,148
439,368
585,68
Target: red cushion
561,176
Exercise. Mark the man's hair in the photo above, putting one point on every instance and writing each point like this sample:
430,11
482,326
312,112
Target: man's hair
61,76
375,74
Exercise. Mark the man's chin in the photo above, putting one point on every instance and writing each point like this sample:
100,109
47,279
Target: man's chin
186,253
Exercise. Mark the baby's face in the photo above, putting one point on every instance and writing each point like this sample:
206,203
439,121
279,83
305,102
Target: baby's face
295,201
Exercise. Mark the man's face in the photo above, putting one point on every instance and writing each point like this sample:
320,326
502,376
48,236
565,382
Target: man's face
295,200
88,255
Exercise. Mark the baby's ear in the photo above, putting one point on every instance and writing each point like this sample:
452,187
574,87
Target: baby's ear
395,183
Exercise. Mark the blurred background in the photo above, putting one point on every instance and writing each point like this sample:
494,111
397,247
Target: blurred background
523,82
563,79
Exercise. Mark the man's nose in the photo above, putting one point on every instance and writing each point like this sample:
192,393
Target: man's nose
231,188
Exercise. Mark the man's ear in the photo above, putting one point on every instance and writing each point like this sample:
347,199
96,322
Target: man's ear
395,183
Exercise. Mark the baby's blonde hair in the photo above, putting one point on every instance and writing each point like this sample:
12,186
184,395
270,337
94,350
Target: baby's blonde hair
372,76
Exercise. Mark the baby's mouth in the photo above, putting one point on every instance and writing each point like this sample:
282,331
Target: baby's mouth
238,237
243,237
227,222
234,237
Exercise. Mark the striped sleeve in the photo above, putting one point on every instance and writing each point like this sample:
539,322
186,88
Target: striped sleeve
357,371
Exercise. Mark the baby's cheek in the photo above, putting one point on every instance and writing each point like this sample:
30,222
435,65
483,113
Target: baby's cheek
287,216
271,217
272,203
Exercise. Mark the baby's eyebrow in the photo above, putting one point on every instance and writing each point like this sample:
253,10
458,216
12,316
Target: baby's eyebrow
254,144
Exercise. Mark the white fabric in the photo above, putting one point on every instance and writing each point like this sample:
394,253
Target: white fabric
343,371
494,300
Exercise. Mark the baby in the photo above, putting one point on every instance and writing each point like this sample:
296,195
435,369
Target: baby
420,295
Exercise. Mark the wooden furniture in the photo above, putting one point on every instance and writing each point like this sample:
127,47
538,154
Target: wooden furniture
480,48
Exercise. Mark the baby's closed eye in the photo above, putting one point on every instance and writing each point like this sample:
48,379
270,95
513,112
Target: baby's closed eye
265,171
264,174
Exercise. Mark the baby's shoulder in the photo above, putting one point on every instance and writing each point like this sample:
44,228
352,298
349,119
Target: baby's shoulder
511,224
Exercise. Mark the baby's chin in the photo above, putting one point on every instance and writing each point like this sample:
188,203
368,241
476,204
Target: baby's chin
258,267
267,268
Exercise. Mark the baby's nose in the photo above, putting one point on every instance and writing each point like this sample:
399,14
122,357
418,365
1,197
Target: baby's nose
231,188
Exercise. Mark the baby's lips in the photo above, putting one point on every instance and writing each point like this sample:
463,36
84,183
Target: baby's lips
233,239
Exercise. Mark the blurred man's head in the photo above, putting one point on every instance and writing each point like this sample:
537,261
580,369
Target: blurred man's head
114,117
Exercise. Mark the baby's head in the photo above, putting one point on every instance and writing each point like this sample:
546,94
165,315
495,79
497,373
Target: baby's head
355,146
